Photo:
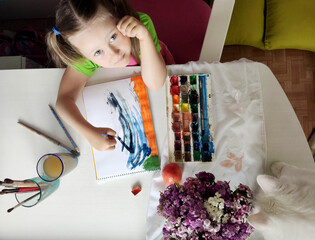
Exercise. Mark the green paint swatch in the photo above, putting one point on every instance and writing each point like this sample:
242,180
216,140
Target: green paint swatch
152,163
197,155
193,79
194,108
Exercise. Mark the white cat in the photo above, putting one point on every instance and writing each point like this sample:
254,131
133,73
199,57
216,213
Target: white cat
286,204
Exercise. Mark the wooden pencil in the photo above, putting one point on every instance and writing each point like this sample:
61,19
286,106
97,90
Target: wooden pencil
46,137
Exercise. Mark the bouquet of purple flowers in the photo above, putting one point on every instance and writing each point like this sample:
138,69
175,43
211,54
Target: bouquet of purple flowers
204,209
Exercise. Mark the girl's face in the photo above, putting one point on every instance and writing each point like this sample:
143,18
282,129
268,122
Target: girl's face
102,43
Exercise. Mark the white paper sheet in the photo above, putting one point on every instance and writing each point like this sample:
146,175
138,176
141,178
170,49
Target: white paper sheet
115,105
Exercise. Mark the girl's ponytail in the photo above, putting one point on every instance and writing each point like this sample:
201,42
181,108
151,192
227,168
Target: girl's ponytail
61,52
53,49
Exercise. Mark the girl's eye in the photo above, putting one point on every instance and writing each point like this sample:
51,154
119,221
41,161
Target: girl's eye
98,52
113,37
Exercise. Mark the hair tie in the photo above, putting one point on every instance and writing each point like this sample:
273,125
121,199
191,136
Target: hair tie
56,31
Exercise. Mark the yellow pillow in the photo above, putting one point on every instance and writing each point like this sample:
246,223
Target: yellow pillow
290,24
247,24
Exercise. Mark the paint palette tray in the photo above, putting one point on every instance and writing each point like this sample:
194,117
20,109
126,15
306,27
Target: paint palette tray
189,118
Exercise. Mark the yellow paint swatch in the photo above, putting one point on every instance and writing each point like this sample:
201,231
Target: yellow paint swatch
185,107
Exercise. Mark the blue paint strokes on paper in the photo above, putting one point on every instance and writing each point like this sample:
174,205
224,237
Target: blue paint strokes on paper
131,122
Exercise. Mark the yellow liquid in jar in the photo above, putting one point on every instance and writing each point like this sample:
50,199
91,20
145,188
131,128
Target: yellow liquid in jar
52,167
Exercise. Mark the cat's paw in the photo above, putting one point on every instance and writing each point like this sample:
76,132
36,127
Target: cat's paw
276,168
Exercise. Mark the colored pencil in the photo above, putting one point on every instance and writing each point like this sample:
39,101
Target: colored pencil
21,203
64,129
46,137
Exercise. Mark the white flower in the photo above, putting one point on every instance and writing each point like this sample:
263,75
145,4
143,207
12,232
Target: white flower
214,206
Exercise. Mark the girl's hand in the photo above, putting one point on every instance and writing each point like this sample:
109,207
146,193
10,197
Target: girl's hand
132,27
101,142
153,68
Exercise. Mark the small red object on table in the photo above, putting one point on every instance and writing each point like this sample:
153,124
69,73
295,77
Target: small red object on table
136,190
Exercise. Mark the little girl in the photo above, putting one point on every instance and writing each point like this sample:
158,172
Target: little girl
100,33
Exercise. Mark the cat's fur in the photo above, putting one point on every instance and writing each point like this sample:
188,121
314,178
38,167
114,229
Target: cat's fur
286,204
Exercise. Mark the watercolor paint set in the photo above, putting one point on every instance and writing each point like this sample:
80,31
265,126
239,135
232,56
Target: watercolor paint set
189,118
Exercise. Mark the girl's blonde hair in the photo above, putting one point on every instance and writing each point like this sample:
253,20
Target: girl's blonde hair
72,16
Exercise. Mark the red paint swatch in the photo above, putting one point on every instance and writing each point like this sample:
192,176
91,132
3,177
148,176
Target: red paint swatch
174,80
176,117
176,126
175,90
136,190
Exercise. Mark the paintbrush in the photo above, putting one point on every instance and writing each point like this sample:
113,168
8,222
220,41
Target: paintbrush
21,203
121,141
17,183
19,190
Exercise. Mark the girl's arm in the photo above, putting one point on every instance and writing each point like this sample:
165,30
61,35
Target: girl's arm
152,64
71,86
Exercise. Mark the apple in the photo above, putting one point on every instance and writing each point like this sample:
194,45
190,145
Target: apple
172,173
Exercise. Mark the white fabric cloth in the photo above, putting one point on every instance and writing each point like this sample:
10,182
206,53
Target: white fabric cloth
239,132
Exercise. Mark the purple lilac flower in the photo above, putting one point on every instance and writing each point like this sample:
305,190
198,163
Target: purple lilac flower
205,177
187,217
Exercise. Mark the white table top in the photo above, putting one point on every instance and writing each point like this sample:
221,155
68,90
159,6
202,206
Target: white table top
81,208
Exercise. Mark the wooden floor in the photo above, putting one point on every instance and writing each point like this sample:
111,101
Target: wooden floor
295,71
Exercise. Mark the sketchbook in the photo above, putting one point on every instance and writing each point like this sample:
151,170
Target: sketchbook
123,106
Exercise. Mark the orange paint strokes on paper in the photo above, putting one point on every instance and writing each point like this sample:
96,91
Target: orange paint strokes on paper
141,91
